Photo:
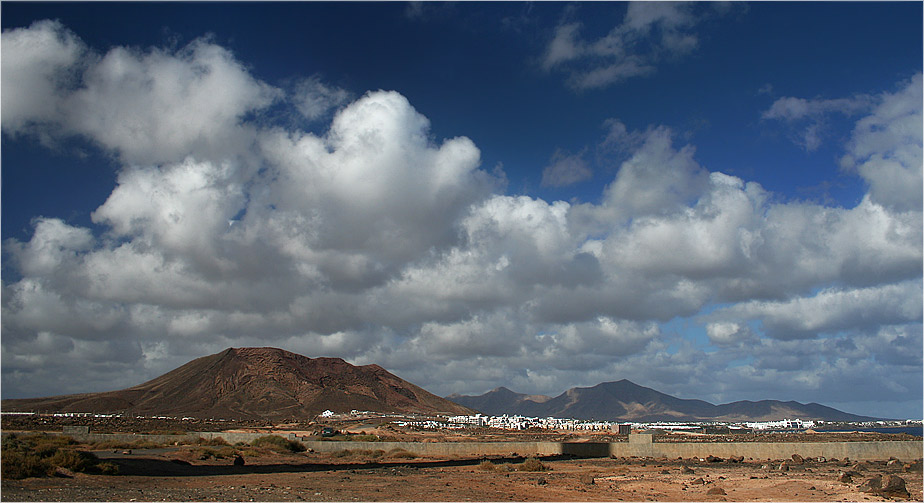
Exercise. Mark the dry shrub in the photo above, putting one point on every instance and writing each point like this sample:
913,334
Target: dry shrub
40,455
119,444
399,453
532,465
278,444
487,466
214,441
75,461
205,453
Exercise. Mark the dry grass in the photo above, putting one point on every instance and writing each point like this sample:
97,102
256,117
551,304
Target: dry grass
42,455
532,465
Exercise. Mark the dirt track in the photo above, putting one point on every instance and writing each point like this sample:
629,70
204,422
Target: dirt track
159,476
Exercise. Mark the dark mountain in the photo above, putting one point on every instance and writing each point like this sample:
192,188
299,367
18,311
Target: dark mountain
255,383
626,401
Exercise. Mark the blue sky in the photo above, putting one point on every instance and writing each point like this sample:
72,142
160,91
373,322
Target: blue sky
719,201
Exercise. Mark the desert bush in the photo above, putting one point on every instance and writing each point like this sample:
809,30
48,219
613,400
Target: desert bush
278,444
363,438
398,453
204,453
342,453
108,468
39,455
487,466
75,461
532,465
214,441
16,464
121,444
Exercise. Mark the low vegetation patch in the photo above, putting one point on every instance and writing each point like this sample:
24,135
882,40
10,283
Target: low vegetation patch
278,444
532,465
401,454
487,466
206,453
42,455
117,444
364,453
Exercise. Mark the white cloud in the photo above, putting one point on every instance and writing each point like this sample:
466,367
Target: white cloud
649,33
314,99
36,62
886,147
565,170
149,107
809,117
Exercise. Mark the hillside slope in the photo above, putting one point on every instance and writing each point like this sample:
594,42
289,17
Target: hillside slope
255,383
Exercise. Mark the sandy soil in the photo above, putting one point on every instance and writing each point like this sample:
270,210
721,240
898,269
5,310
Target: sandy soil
164,475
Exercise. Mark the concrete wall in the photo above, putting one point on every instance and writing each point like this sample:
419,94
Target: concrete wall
904,450
638,445
754,450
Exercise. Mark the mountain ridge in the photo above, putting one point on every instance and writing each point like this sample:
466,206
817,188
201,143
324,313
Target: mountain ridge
255,383
624,400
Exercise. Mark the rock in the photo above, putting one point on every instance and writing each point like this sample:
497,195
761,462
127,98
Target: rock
684,469
238,460
716,490
587,479
893,462
797,459
127,451
893,485
844,477
736,459
784,467
821,459
665,472
871,485
698,480
914,466
63,473
713,459
542,481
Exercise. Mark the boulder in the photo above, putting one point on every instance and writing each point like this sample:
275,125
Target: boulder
736,459
871,485
894,486
716,490
587,479
784,467
844,478
698,480
686,470
914,466
797,459
238,460
713,459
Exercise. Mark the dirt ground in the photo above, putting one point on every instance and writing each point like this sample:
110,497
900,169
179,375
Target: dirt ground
172,475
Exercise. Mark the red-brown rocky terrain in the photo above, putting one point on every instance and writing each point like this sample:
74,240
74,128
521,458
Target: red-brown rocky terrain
255,383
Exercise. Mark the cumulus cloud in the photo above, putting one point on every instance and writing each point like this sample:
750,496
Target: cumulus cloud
565,170
147,107
376,242
314,99
886,148
649,33
808,118
37,61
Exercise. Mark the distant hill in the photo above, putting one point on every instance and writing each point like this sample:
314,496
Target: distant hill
626,401
255,383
